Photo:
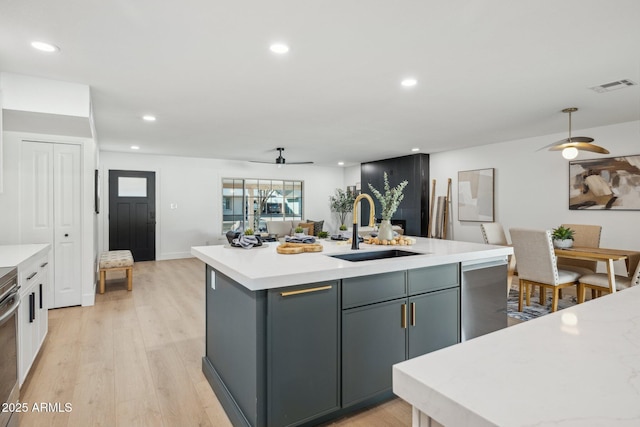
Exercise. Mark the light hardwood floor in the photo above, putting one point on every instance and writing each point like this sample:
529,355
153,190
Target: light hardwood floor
134,359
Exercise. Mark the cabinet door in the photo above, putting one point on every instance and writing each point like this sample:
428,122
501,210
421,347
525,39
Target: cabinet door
302,353
434,321
27,331
373,339
42,311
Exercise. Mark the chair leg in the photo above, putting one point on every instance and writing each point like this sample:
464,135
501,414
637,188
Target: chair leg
554,302
581,289
527,290
560,293
593,293
521,290
543,295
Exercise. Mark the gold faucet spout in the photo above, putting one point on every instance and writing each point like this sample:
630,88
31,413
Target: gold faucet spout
372,209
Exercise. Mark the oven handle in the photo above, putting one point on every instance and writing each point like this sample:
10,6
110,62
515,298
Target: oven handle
10,299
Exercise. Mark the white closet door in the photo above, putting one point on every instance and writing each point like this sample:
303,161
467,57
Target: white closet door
50,212
67,249
36,193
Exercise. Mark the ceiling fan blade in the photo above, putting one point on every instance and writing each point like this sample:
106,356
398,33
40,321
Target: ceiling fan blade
300,163
585,146
258,161
567,141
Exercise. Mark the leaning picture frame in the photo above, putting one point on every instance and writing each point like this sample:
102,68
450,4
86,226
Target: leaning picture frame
476,195
610,183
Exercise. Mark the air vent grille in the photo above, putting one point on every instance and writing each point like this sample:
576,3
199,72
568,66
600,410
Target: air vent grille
608,87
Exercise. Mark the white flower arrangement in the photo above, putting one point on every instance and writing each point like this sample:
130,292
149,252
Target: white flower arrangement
391,198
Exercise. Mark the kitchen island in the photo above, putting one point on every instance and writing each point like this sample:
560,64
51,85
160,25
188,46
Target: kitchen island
300,339
573,368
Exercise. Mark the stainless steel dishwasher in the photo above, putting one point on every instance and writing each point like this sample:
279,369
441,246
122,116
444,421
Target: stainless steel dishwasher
484,297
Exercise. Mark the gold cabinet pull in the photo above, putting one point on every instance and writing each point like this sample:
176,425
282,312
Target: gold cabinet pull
305,291
413,314
403,314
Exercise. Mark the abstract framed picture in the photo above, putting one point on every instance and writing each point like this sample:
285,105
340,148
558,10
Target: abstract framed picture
476,195
612,184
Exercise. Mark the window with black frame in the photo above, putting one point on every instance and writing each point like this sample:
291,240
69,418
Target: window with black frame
251,203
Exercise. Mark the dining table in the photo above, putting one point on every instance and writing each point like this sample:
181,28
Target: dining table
608,256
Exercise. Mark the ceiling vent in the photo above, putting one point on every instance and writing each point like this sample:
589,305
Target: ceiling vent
608,87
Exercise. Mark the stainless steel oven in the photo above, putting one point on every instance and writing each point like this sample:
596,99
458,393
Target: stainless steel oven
9,301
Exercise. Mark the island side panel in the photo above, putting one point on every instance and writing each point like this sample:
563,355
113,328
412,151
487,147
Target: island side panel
235,344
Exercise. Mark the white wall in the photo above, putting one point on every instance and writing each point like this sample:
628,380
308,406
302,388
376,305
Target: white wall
38,95
531,187
194,184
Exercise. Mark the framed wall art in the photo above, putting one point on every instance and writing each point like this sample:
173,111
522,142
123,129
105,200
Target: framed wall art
476,195
612,184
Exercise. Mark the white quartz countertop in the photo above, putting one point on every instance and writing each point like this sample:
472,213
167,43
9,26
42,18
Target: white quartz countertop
14,255
264,268
577,367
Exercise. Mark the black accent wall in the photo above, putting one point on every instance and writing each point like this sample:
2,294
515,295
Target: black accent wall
414,209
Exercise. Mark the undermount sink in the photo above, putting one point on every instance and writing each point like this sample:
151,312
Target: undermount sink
368,256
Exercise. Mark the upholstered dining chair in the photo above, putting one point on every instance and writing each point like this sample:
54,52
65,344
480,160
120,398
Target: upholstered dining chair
586,236
537,265
493,234
600,282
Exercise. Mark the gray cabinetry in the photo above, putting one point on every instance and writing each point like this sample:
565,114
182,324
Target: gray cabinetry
272,357
372,341
302,353
434,321
305,354
381,331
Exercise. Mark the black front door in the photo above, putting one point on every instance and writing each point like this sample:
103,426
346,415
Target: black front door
132,213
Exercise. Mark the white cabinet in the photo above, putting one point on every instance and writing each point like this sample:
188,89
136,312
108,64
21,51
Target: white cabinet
33,318
50,211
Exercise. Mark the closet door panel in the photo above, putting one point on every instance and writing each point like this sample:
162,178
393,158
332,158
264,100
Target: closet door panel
67,238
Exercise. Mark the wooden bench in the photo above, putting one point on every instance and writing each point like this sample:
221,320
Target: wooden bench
116,261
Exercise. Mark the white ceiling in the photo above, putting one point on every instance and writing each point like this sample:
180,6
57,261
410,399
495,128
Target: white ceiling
488,71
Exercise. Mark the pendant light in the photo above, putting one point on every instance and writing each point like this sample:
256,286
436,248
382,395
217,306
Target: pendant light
570,146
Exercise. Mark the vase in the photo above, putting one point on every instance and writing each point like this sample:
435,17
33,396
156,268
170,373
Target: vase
385,232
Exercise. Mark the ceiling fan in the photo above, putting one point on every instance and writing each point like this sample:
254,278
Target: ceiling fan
571,145
280,161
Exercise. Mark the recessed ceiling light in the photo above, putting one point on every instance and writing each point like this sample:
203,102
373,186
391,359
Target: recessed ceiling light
279,48
415,149
340,163
135,147
44,47
409,82
149,118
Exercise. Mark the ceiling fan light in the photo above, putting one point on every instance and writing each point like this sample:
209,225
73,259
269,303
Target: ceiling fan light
571,145
570,153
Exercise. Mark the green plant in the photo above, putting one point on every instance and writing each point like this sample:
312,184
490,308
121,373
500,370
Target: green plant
323,234
248,232
390,200
562,233
342,203
343,227
299,230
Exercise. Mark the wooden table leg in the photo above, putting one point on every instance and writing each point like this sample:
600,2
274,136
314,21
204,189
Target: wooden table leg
612,276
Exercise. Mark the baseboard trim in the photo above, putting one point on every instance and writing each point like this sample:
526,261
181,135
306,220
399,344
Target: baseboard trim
227,401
